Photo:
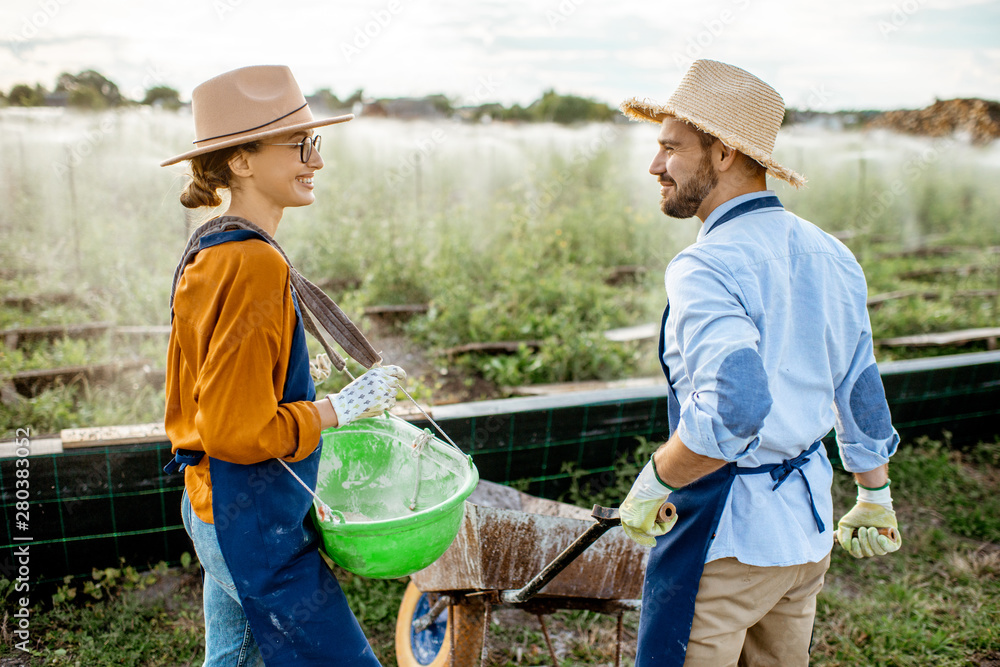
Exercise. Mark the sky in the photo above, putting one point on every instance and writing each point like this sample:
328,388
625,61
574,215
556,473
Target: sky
848,54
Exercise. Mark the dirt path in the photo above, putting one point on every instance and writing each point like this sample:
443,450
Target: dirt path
446,384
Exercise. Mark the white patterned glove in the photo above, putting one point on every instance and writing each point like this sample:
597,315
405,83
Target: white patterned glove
367,396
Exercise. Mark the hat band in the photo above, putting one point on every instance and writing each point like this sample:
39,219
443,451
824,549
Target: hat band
221,136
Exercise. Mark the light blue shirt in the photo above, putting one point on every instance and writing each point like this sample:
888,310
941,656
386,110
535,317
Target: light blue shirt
769,346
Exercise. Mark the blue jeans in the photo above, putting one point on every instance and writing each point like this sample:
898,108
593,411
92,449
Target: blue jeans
228,640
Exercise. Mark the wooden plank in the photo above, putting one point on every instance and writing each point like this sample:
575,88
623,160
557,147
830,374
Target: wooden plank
879,299
30,301
30,383
18,335
394,315
497,347
338,284
152,330
638,332
592,385
619,275
99,436
407,308
37,447
975,293
962,271
988,334
923,251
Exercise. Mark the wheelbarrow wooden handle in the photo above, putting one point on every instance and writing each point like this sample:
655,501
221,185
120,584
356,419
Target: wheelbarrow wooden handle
609,515
891,533
667,511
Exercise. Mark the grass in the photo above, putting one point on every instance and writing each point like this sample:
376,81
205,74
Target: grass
938,602
934,602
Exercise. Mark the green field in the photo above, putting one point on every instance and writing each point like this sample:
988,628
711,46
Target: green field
508,232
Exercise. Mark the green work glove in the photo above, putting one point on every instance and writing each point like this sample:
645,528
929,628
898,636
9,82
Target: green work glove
872,512
639,510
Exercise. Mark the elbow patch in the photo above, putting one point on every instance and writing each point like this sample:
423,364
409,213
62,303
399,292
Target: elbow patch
744,397
868,406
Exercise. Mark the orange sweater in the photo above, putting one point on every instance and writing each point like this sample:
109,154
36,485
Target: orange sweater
226,363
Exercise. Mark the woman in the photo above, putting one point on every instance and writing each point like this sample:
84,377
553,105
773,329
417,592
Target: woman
239,395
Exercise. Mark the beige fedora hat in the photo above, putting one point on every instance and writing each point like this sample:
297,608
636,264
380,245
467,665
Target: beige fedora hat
248,104
730,104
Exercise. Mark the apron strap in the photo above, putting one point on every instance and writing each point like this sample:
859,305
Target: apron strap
746,207
674,569
182,459
780,472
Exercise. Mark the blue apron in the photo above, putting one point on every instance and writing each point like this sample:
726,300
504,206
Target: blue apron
297,612
676,563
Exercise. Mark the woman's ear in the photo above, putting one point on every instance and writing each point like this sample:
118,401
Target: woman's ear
240,165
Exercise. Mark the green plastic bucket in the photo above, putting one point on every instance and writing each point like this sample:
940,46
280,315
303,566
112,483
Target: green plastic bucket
367,473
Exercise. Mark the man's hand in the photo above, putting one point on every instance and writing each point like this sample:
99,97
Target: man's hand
367,396
639,510
858,531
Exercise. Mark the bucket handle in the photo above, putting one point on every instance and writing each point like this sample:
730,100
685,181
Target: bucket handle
326,510
440,430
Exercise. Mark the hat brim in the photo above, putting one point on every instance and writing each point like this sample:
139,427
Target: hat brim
647,110
255,136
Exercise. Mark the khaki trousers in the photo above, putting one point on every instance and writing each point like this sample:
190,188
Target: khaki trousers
754,616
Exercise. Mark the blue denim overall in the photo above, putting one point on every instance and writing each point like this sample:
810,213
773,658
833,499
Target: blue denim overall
675,565
296,609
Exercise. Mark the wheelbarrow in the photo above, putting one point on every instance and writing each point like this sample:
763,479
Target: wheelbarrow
516,550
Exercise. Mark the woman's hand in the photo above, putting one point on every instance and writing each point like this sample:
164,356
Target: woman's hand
367,396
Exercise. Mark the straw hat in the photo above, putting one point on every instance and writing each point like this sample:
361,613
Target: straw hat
730,104
248,104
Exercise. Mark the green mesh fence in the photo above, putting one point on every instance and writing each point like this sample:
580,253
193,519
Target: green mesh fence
92,507
534,442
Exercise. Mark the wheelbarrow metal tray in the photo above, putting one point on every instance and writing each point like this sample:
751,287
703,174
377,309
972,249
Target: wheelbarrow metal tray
499,549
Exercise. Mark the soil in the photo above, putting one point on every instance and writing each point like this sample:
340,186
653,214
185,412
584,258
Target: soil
599,637
447,385
979,119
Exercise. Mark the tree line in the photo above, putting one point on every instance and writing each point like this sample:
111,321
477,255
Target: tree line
91,90
88,89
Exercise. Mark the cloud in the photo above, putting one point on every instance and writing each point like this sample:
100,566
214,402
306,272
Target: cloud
820,56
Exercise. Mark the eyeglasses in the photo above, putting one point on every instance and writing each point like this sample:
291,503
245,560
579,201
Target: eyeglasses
306,147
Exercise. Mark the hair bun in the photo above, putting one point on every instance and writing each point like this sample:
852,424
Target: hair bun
210,172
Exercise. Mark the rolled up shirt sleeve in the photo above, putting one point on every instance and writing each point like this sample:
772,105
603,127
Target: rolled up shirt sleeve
865,435
718,345
239,418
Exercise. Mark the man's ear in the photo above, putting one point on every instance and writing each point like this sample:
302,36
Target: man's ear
240,165
725,157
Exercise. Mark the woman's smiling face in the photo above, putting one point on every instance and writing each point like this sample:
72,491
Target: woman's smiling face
279,176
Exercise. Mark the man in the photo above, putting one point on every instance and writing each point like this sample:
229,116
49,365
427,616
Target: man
766,344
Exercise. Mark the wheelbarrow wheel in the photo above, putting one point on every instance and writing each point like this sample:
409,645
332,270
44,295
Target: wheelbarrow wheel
432,647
